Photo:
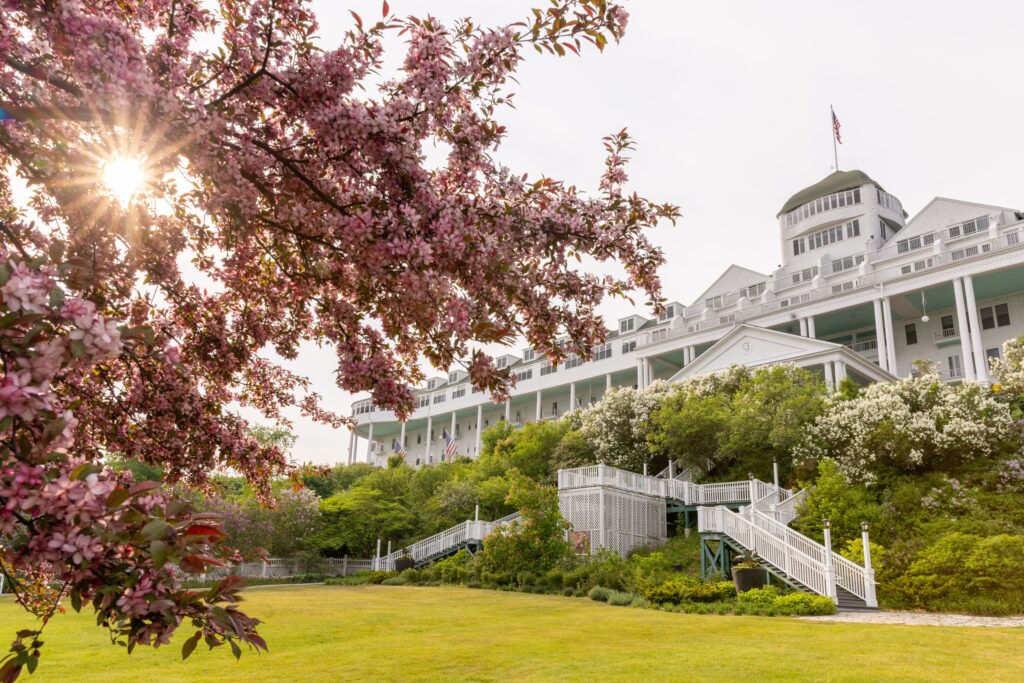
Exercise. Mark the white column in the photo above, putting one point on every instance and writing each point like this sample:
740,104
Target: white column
430,426
980,359
539,405
965,339
479,428
639,373
830,572
351,446
508,410
401,438
810,327
572,397
883,347
607,381
890,338
803,327
840,372
869,572
649,365
369,447
830,380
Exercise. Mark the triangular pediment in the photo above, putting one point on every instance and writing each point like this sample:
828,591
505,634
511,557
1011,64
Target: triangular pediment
731,280
942,212
754,347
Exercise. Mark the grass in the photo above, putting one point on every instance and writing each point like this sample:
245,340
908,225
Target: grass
334,633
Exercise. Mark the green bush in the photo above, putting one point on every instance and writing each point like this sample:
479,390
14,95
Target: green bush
454,569
762,597
803,604
688,590
620,599
412,576
361,577
393,581
599,594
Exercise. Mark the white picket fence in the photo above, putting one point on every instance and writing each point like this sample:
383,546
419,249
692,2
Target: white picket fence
285,567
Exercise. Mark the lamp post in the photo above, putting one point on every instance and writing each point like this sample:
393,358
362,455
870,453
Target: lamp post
830,572
870,598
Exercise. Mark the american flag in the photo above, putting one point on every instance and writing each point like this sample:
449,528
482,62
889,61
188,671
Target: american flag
397,447
449,445
835,127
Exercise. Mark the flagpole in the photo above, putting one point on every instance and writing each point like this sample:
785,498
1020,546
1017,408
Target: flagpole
832,127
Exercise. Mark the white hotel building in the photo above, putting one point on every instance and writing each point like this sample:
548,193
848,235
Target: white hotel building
862,293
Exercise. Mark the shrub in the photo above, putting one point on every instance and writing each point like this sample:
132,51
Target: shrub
599,594
473,583
393,581
454,569
361,577
689,590
803,604
620,599
760,597
412,576
604,568
641,602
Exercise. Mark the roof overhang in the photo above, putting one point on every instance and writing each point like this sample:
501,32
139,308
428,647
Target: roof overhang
758,346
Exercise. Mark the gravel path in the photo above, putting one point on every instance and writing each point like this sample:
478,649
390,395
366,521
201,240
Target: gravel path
922,619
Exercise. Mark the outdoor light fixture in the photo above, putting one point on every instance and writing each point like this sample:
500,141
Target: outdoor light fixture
828,525
864,526
924,308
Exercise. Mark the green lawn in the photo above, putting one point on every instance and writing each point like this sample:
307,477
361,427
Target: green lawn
339,633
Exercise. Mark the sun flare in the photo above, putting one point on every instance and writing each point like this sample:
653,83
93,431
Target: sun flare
123,178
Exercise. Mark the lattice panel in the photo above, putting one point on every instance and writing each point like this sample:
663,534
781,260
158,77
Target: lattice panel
630,520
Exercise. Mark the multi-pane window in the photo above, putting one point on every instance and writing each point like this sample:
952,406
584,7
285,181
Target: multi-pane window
572,361
524,375
424,401
754,290
955,368
923,264
911,330
948,330
459,393
528,354
841,287
554,409
659,335
670,312
799,246
602,351
805,275
847,262
629,347
832,201
626,325
912,243
501,363
888,201
995,353
548,368
363,408
828,236
995,316
969,227
716,301
453,377
440,398
853,229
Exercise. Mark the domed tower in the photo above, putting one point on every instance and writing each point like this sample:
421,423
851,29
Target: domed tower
835,223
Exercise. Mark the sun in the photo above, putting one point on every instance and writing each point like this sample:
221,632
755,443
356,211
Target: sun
123,177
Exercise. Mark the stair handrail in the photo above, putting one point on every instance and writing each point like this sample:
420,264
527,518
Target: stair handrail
794,563
849,575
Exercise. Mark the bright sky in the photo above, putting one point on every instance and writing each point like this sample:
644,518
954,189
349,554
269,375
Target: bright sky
729,104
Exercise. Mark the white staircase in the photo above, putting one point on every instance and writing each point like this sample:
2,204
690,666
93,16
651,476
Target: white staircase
470,532
799,559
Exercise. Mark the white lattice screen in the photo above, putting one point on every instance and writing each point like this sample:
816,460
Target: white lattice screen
630,520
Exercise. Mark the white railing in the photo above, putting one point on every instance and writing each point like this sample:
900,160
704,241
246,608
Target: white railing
800,557
443,542
862,346
786,511
945,333
685,491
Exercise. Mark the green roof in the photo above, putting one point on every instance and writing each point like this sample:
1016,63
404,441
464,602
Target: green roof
835,182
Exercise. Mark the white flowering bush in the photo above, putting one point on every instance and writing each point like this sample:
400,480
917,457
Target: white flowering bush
916,424
1008,371
616,427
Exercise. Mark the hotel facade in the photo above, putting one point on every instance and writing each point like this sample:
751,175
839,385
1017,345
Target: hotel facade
862,293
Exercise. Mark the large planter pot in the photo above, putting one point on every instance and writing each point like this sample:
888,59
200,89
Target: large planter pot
747,578
403,563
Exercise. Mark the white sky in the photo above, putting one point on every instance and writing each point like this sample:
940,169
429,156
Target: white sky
729,104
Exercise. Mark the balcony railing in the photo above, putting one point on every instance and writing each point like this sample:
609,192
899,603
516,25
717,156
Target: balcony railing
945,333
862,346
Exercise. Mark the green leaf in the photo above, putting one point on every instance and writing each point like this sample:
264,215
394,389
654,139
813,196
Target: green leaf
235,650
77,348
190,645
84,470
155,529
159,550
76,600
56,297
116,497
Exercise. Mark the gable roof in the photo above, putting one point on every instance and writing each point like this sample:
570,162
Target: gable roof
834,182
730,280
754,346
942,212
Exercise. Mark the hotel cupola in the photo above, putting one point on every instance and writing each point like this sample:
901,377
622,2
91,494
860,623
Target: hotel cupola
843,216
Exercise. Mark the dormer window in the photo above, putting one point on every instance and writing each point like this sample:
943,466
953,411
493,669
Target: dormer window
670,312
453,377
626,325
501,363
528,355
